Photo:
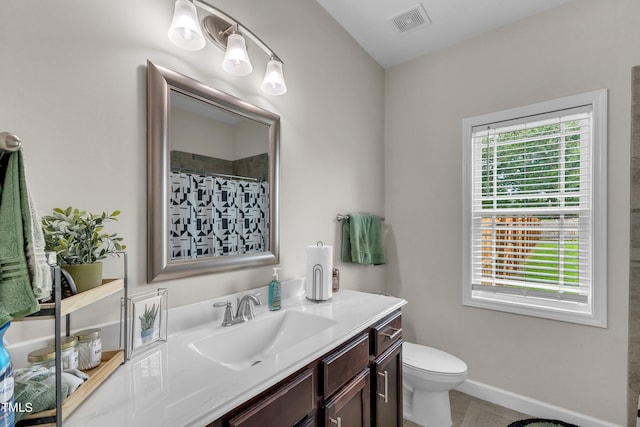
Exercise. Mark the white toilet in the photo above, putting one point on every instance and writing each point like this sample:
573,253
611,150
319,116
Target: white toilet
427,376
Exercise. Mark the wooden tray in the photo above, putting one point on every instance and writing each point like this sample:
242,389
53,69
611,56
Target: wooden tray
111,360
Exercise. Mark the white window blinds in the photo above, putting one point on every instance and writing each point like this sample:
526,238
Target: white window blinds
534,223
531,206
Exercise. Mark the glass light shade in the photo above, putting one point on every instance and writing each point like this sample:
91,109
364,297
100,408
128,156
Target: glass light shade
236,60
273,83
185,31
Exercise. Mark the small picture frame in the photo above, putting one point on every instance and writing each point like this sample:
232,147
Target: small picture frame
147,319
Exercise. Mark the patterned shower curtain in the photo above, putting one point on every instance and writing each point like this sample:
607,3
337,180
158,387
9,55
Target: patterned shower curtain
213,216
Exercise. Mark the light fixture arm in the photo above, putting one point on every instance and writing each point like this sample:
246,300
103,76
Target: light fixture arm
219,25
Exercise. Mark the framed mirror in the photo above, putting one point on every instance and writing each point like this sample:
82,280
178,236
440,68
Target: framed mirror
213,179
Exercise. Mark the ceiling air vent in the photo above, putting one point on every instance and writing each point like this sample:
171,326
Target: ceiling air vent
410,19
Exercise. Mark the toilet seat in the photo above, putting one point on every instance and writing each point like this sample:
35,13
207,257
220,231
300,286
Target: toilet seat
428,360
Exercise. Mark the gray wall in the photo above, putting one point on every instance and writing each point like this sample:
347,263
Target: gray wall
581,46
73,87
250,167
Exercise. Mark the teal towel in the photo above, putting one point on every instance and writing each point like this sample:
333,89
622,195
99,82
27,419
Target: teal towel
362,239
16,294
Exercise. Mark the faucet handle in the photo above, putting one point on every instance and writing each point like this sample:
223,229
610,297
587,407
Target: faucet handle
228,315
222,304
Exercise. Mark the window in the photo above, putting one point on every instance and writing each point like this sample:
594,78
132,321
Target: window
534,210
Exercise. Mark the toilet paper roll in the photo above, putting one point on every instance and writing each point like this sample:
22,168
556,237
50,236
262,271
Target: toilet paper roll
319,270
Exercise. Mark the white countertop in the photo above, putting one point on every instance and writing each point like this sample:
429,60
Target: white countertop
173,385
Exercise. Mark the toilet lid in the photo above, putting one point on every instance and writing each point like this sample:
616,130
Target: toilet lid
430,359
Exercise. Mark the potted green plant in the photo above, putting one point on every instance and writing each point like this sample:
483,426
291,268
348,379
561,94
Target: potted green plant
80,242
147,323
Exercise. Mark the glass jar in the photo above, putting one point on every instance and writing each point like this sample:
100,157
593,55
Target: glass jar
42,357
335,284
68,352
89,348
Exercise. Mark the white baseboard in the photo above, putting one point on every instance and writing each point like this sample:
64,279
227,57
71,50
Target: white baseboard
526,405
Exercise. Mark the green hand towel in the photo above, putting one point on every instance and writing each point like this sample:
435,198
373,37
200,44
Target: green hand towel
362,239
16,294
36,396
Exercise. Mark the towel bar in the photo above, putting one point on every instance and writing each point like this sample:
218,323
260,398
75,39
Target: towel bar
341,217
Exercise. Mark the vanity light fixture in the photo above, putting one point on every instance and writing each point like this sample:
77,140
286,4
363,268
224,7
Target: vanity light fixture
229,35
185,31
236,59
273,82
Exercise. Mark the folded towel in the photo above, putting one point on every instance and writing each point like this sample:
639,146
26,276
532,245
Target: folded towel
72,378
16,294
362,239
38,396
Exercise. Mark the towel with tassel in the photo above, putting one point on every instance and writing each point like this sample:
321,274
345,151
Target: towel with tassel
362,239
17,298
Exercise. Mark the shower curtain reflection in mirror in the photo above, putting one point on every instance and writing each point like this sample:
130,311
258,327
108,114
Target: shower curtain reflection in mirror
213,216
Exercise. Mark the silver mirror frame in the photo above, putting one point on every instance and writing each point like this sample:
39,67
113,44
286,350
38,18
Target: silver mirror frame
160,82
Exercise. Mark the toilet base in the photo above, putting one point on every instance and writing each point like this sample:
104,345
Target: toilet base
427,409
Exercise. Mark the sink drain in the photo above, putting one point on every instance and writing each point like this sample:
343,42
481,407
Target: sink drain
256,362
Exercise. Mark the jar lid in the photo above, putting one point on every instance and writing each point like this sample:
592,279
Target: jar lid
41,355
88,334
65,343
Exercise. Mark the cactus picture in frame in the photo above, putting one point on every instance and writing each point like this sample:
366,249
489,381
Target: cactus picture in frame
146,318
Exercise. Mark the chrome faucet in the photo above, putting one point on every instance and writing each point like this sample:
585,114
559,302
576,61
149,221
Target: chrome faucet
245,306
244,311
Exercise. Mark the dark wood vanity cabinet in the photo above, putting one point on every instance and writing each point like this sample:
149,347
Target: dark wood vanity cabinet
346,385
286,406
350,406
387,371
343,364
358,384
386,333
387,386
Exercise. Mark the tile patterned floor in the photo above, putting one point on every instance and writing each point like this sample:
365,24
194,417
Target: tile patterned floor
467,411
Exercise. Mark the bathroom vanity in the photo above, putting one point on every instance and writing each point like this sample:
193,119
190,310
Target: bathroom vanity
335,363
355,383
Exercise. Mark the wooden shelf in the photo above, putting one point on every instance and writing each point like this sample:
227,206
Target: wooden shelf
111,360
78,301
83,299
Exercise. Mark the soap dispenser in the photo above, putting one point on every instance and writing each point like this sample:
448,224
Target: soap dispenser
274,291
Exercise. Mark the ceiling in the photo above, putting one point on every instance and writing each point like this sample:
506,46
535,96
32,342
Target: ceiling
446,22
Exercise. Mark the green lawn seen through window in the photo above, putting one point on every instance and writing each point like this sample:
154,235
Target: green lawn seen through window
544,263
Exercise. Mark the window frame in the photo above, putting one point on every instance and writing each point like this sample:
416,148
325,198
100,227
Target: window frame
594,312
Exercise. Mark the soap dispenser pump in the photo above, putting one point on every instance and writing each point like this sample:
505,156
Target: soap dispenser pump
274,291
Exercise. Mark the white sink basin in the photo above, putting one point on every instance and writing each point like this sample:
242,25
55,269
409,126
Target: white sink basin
242,346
